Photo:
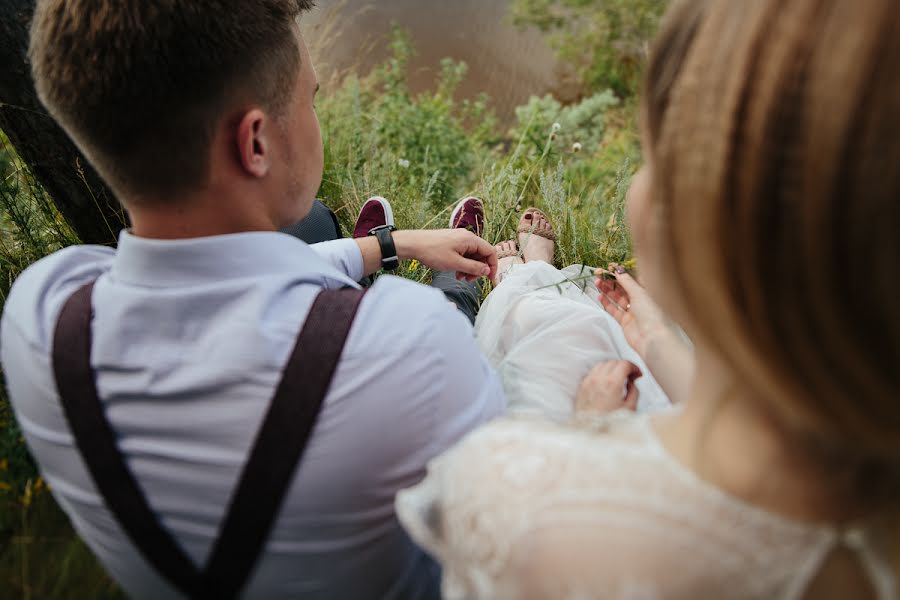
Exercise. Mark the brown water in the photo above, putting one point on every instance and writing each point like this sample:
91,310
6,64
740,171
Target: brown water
509,64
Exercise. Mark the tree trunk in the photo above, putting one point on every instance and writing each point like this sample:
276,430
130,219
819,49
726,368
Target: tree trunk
78,192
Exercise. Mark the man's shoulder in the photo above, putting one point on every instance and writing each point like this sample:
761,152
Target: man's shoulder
38,292
400,315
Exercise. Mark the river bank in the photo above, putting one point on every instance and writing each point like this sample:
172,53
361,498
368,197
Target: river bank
507,62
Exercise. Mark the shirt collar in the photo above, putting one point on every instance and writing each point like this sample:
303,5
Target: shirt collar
187,262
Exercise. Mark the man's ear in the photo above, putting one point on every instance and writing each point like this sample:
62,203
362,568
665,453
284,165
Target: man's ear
253,143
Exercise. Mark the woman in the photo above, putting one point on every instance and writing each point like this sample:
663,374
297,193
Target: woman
772,139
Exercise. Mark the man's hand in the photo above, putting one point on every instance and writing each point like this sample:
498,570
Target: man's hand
457,250
607,388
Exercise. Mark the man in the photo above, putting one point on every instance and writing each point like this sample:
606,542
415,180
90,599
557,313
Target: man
200,117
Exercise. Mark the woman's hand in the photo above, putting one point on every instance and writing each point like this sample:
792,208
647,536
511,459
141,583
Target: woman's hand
649,332
629,304
607,388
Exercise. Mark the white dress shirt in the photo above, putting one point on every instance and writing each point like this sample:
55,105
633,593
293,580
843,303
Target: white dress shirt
190,338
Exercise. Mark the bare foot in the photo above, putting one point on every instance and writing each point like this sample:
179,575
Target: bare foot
536,237
507,255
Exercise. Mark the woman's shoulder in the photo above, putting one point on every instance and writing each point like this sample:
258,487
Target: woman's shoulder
520,465
511,438
488,505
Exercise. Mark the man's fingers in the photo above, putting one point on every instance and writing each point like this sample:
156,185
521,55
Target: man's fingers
480,246
471,268
480,249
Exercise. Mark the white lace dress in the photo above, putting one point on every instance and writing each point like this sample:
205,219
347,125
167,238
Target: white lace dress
528,508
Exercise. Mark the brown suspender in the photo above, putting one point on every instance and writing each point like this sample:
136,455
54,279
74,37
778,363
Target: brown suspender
274,457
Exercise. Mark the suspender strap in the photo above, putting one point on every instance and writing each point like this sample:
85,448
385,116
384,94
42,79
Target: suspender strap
96,442
267,475
282,439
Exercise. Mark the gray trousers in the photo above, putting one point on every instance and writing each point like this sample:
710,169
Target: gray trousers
321,225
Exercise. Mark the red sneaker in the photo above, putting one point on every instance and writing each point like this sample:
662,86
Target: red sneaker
376,212
468,214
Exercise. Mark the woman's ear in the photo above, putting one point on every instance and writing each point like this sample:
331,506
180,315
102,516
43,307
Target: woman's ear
253,143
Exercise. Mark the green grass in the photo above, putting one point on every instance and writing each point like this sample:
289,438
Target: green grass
423,152
604,44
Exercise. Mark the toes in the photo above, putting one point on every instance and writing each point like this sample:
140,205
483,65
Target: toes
507,246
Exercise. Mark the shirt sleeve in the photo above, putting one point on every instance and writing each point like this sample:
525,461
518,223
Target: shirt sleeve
471,393
344,255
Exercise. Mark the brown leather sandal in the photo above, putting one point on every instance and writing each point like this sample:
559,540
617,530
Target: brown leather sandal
509,253
525,227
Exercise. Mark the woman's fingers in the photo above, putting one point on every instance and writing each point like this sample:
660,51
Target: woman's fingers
626,371
631,396
615,303
629,285
616,294
608,387
614,310
629,373
611,288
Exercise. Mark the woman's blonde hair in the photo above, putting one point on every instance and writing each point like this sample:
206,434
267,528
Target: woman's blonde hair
774,131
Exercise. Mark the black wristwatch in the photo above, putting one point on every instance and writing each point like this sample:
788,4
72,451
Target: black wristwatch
389,259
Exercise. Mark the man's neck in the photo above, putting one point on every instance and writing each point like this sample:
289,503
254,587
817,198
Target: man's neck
202,215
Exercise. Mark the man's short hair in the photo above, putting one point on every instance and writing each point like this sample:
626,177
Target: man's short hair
141,85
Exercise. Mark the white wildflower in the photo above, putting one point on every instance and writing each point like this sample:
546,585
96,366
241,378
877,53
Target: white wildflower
556,128
576,147
404,164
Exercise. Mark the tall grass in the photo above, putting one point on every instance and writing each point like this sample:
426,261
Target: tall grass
421,151
40,555
425,152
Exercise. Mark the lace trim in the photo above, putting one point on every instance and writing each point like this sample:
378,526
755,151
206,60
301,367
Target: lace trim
855,539
880,572
718,495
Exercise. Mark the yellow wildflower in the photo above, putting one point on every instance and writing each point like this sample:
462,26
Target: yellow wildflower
413,266
27,496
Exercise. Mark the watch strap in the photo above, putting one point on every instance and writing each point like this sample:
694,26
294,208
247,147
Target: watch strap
389,259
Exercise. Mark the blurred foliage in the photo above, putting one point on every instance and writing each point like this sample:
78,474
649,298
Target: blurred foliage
604,42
